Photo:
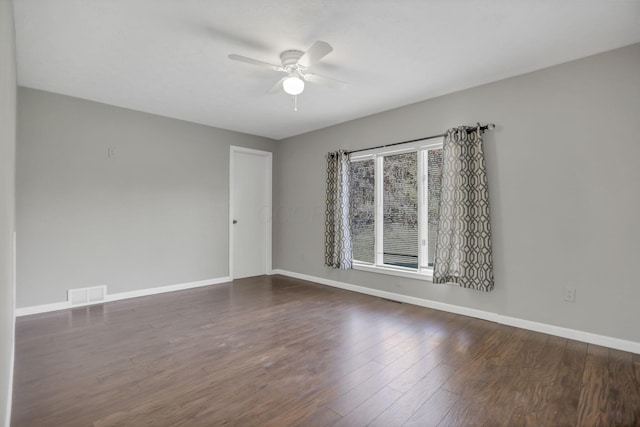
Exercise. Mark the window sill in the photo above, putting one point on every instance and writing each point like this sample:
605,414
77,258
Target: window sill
411,274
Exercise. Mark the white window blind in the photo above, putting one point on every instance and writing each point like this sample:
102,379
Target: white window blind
363,210
434,189
400,210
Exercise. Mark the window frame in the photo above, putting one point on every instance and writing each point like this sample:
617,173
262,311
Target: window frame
423,272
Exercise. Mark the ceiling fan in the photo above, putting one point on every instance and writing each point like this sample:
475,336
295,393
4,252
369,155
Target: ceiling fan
296,64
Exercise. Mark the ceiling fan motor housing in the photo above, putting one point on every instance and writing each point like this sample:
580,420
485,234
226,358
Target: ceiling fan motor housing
290,59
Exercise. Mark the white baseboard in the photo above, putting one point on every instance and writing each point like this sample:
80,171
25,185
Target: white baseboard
25,311
169,288
573,334
588,337
12,359
485,315
7,421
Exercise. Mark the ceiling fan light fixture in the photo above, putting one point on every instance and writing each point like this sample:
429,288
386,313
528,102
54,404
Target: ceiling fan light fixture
293,85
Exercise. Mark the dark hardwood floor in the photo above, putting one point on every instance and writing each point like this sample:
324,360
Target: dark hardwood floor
275,351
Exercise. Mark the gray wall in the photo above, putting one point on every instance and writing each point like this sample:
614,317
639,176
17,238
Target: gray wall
564,175
7,199
155,214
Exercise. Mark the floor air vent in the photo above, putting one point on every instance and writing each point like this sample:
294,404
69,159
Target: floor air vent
84,296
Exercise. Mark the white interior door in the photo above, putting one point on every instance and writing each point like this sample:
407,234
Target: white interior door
250,213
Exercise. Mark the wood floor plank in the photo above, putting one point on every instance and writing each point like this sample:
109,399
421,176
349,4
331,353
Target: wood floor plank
414,374
593,398
482,371
320,418
623,399
354,397
369,409
561,405
309,414
276,351
433,411
409,403
542,376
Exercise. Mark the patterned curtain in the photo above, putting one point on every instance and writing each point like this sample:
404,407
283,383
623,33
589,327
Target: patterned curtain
463,246
337,230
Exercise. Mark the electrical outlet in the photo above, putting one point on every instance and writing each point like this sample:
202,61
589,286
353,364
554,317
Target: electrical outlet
569,294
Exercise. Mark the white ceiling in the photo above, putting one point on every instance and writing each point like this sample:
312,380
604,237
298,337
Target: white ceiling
169,57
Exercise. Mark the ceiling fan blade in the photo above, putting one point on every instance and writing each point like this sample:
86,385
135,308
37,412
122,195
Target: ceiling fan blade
276,87
325,81
316,52
255,62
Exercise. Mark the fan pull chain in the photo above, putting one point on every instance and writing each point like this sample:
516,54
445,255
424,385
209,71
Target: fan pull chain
295,102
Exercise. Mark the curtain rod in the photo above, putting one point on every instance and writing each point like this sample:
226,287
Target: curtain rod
483,128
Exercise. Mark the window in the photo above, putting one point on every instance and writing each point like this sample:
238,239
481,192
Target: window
363,210
394,208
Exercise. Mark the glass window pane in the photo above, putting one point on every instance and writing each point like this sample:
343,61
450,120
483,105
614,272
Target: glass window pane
434,188
363,210
400,210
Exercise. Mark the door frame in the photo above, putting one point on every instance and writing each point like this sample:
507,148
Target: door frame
269,223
